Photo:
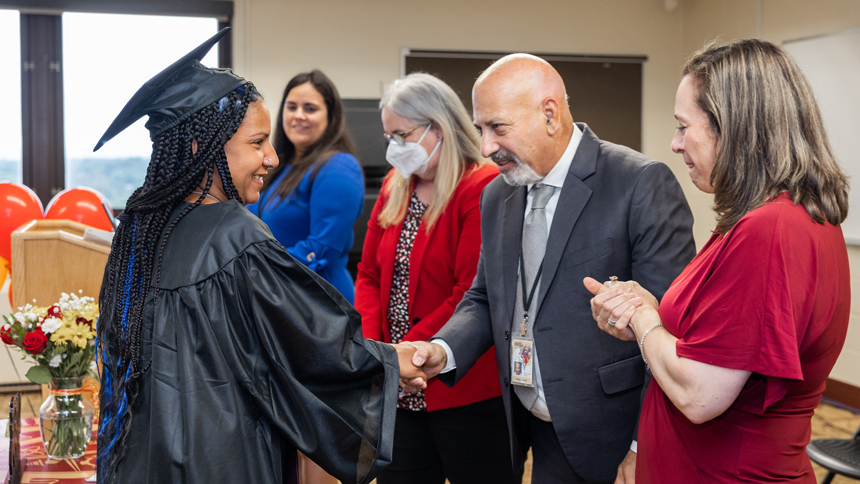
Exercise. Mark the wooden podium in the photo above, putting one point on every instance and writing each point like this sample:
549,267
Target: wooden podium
50,257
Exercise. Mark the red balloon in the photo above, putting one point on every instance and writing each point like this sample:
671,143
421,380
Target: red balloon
82,205
18,206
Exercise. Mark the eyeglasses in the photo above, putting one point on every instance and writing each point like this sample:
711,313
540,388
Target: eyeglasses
398,137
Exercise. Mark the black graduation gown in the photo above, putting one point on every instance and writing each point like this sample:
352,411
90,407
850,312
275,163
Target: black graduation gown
253,355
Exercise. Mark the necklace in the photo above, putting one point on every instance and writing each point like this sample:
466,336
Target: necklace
208,195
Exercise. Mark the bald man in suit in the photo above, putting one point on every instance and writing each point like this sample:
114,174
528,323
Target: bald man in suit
568,205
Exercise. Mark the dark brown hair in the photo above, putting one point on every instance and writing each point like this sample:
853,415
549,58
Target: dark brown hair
770,134
335,139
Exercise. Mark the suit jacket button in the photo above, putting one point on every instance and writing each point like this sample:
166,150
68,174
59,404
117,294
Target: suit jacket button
506,382
507,335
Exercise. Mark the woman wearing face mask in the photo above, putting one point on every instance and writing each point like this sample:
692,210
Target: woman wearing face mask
420,255
311,201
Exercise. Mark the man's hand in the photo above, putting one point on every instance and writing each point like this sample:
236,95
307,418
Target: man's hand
412,377
430,356
627,469
419,362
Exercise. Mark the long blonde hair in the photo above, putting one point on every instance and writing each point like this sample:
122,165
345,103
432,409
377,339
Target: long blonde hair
425,99
771,136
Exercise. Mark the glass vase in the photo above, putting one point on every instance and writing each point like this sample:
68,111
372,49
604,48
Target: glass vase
66,419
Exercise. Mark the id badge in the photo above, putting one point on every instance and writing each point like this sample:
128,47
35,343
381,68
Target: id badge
522,362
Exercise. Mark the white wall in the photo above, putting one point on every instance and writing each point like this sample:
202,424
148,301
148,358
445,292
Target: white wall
358,44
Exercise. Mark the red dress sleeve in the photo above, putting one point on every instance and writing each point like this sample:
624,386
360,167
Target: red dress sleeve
750,308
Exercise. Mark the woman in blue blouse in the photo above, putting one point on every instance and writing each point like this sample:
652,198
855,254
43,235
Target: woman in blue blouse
311,200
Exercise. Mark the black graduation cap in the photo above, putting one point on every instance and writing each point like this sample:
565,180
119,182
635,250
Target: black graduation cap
176,93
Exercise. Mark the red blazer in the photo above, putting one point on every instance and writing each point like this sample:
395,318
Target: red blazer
442,267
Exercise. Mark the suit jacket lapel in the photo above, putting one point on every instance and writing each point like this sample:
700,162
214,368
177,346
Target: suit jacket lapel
572,200
512,234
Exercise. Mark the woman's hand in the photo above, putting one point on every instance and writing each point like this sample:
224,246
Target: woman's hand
617,303
412,377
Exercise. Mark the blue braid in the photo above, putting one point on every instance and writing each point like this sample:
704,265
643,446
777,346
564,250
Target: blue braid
112,423
126,297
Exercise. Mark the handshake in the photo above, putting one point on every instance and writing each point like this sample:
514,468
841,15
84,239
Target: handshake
419,362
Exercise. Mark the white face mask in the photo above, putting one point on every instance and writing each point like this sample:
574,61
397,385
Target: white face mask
410,157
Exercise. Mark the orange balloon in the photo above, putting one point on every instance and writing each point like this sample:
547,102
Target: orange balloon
18,206
4,270
82,205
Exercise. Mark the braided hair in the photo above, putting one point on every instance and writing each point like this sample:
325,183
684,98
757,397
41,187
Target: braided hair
173,173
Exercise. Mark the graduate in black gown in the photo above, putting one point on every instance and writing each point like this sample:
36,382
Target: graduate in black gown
221,354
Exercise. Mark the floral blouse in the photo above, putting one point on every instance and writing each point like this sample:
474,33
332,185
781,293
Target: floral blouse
398,302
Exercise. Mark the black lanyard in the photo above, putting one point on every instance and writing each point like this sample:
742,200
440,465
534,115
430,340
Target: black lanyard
527,300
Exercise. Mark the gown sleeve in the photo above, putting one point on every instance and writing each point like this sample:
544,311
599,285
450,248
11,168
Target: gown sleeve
295,345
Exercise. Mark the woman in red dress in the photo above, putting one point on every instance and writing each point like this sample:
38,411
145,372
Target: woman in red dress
745,337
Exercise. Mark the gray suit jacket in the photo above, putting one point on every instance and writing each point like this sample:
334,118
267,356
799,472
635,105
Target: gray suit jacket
619,214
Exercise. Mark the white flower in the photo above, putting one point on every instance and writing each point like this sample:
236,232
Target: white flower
51,324
19,316
55,361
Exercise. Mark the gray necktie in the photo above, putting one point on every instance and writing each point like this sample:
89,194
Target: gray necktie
533,250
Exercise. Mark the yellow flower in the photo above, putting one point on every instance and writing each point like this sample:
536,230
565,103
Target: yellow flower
77,334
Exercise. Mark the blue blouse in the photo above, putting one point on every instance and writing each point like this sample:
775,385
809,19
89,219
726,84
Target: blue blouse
315,222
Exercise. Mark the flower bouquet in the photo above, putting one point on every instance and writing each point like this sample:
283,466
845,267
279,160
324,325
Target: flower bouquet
61,340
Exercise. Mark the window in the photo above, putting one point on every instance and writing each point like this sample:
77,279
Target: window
106,58
10,86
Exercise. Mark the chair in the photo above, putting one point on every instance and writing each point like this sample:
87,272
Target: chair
838,456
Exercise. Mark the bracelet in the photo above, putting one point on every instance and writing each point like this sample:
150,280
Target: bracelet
642,342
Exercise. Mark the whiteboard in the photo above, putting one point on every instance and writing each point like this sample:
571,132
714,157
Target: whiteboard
831,63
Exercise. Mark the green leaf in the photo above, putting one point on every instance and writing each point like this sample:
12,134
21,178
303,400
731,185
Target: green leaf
39,374
74,359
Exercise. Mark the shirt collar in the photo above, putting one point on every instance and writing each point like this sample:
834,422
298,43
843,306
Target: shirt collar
556,176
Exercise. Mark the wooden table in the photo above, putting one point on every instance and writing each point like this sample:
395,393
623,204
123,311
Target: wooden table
38,469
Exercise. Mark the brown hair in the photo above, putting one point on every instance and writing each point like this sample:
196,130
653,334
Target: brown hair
335,139
770,134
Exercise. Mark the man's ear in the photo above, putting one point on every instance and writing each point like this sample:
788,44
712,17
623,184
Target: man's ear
194,147
553,115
